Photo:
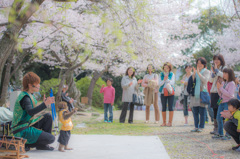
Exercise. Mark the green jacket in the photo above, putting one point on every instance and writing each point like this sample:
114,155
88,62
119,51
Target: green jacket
22,119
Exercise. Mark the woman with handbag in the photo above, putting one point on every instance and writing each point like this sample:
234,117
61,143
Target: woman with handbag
150,84
200,77
226,92
184,81
129,85
216,75
166,83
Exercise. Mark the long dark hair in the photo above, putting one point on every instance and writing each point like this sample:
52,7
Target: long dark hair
219,57
133,72
230,72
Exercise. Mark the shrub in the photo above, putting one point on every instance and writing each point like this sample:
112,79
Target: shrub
97,98
47,84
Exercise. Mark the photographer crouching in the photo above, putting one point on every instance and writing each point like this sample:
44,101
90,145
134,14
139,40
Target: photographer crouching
29,120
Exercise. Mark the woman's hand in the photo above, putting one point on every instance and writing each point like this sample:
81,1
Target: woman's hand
215,66
198,72
130,83
49,100
194,71
219,85
139,81
165,78
238,130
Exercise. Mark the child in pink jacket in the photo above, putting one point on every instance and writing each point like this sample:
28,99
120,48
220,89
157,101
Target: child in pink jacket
109,96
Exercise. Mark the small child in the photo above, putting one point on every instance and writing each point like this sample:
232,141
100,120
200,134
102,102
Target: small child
233,107
65,119
109,96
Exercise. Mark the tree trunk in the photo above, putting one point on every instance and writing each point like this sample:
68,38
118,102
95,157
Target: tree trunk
72,88
6,81
9,39
73,92
60,87
96,76
18,76
6,47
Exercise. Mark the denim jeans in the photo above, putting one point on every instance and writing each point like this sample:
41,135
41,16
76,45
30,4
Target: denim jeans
196,112
108,107
210,112
222,106
185,105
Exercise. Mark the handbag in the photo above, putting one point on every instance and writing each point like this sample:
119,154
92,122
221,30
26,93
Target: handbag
168,91
204,97
138,99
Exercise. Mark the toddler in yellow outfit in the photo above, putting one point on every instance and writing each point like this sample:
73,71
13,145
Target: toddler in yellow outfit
65,119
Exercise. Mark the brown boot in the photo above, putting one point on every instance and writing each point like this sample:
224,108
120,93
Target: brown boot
60,148
170,118
215,129
67,148
164,119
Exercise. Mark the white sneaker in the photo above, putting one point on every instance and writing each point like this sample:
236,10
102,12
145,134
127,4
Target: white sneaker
147,121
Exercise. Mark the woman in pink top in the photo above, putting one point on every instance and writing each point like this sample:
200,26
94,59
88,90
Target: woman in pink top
109,96
226,91
150,84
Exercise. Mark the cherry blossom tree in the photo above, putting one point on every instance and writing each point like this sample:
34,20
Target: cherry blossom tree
107,35
229,41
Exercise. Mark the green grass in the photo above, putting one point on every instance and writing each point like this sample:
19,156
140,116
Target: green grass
115,128
97,109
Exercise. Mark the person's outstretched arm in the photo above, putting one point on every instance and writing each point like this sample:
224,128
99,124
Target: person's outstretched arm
67,114
27,105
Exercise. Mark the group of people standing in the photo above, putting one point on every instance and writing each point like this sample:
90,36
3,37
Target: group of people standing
224,103
215,91
153,84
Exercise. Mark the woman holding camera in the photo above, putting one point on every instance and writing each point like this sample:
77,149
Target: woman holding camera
216,76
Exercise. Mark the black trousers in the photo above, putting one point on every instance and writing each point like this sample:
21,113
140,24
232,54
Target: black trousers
215,110
214,105
45,137
124,112
167,100
231,129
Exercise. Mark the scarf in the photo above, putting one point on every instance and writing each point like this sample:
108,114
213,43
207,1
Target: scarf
198,84
162,78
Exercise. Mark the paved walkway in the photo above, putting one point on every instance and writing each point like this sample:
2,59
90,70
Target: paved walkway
108,147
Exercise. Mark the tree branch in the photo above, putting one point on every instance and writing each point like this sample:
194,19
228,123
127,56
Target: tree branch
19,59
235,7
56,56
78,65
